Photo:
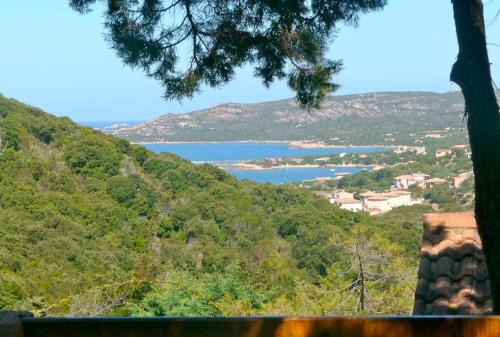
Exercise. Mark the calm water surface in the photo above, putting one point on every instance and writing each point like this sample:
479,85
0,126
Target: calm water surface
290,175
237,151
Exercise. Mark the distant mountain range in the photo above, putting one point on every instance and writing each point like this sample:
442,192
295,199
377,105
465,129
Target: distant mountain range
373,118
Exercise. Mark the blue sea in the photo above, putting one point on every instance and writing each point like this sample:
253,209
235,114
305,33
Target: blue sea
291,175
244,151
231,152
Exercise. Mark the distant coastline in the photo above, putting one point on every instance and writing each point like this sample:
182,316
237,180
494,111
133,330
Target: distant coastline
297,144
256,167
214,142
247,159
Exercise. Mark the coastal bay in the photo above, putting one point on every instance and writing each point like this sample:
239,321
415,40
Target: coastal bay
247,151
234,157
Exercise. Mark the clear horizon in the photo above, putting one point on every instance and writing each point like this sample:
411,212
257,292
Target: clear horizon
59,61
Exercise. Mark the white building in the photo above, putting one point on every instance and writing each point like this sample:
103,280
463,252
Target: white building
457,180
372,202
368,194
340,194
375,205
442,153
433,182
405,181
350,204
399,198
403,148
420,150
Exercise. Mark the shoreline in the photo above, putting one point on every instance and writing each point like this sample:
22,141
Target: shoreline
213,142
294,144
255,167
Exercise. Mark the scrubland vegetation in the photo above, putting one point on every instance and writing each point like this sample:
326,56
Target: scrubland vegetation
92,225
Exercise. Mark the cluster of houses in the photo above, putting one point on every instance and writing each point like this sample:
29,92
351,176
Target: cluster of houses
372,202
446,152
439,152
423,180
375,202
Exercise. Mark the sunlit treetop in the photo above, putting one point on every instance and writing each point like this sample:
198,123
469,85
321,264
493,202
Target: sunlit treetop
187,43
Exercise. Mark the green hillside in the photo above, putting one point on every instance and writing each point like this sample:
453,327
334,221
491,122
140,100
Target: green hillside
92,225
399,117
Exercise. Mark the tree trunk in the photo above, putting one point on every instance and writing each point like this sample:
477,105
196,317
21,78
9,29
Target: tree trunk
472,73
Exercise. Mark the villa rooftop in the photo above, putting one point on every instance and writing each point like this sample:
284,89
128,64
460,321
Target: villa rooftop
377,198
405,176
436,181
402,192
368,194
346,200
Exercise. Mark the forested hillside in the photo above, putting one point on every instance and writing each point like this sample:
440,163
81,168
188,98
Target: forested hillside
400,117
92,225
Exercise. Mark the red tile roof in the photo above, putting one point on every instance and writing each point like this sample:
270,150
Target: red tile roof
452,278
347,200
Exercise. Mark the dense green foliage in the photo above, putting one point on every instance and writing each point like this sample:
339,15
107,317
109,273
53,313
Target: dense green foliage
93,225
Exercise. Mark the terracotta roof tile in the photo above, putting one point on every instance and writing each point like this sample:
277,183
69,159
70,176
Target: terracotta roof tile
450,220
452,278
347,200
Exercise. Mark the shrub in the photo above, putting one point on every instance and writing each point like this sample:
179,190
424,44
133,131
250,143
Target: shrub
88,157
121,189
11,139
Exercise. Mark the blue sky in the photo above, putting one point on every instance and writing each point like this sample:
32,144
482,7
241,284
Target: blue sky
58,60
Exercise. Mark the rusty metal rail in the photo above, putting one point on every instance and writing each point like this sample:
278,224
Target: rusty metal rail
399,326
